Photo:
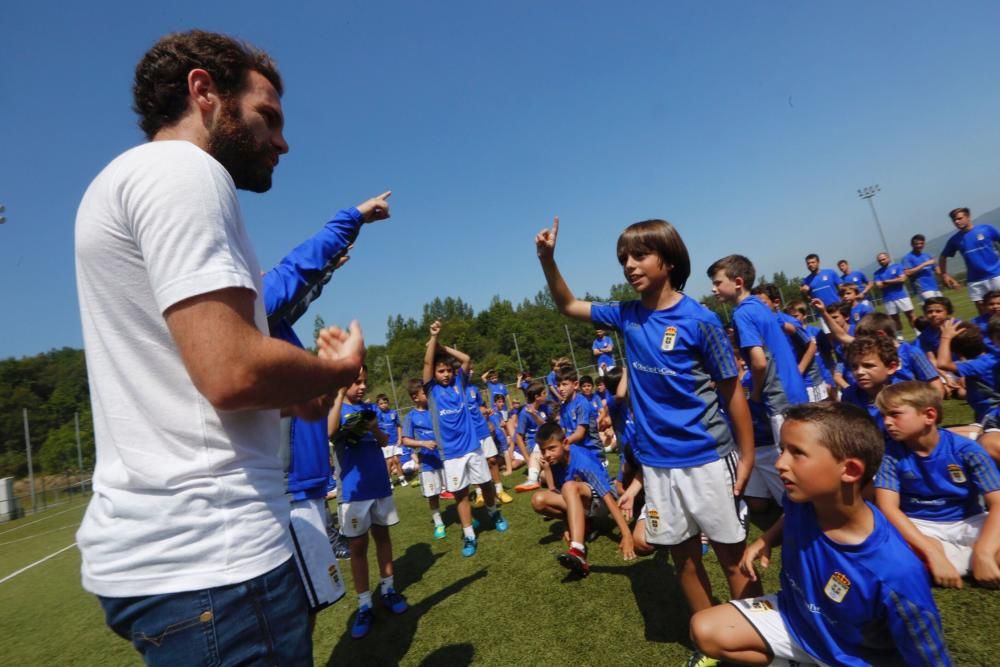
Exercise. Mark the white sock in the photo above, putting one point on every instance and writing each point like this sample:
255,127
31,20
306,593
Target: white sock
387,584
578,547
438,521
469,531
533,474
499,487
365,599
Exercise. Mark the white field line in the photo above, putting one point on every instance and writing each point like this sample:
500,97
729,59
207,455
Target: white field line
37,562
31,537
30,523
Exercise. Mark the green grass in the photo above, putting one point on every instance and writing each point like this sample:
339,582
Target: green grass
511,604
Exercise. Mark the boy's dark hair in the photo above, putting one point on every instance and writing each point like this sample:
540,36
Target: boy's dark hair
160,89
413,386
734,266
612,378
993,327
953,213
843,287
843,308
844,429
548,431
586,379
918,395
874,324
968,341
566,373
657,237
380,397
839,261
813,255
992,294
796,306
939,301
882,346
917,237
498,397
533,390
442,357
920,323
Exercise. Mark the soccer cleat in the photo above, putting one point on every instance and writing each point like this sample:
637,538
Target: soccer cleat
527,486
403,482
341,547
362,623
479,502
504,497
394,602
469,547
699,659
447,495
500,523
439,532
574,560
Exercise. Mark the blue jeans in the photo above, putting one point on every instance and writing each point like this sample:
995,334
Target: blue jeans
261,621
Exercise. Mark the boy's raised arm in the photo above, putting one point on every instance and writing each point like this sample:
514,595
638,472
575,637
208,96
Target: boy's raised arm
432,346
569,305
333,421
838,331
462,358
949,329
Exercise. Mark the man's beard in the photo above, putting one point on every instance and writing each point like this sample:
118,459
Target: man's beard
232,143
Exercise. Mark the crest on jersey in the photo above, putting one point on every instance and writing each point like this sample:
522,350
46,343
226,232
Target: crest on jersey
837,586
334,574
654,519
354,523
760,604
669,339
980,237
956,473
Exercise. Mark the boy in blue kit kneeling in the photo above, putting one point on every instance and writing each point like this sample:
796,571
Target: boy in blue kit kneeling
579,489
464,459
418,432
930,484
366,502
852,592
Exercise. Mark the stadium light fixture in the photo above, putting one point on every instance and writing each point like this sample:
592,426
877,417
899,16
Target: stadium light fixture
868,194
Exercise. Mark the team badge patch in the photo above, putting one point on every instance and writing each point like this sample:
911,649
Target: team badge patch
334,574
956,473
761,605
654,519
837,586
354,523
669,339
980,237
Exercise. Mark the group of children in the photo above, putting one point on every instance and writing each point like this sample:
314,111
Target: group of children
839,429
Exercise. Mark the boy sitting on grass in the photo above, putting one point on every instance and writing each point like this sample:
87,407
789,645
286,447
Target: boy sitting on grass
852,592
929,487
578,489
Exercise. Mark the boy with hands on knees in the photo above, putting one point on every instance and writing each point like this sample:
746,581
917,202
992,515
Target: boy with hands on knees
852,592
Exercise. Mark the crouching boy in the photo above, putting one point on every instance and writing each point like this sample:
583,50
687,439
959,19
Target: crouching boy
578,489
852,592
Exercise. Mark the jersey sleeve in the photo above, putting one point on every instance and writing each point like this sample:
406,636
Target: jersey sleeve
747,332
916,629
606,313
981,468
522,422
408,426
887,476
980,367
594,475
921,365
717,352
951,247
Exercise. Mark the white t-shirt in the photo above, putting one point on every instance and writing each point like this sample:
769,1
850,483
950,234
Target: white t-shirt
185,496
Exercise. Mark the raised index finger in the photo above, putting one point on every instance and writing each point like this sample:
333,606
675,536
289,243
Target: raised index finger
555,227
385,195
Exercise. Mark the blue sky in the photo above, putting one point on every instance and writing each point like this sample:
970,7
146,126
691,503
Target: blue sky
748,125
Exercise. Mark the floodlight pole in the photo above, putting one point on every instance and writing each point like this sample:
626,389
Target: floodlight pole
868,194
520,366
392,382
31,471
572,354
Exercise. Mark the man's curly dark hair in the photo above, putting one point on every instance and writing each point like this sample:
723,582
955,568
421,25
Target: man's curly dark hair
160,90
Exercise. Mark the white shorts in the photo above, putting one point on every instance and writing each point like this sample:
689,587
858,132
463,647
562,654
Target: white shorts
489,447
603,369
314,555
776,422
466,470
764,481
357,516
682,502
957,538
927,294
978,289
531,452
762,613
897,306
410,466
432,482
391,450
817,393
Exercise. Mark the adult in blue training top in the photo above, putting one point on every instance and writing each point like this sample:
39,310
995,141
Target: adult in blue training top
977,243
289,288
602,348
857,278
891,279
820,283
921,268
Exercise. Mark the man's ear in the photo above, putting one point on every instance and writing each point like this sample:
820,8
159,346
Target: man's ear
201,90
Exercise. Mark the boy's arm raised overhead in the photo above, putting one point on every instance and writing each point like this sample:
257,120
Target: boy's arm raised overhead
333,421
432,347
838,331
569,305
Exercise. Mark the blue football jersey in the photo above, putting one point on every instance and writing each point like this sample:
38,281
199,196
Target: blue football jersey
363,475
388,422
576,412
924,279
823,286
419,426
527,425
756,326
474,401
978,248
890,272
456,434
584,468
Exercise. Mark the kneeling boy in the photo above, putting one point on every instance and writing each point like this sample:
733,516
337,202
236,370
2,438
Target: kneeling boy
929,487
852,592
578,489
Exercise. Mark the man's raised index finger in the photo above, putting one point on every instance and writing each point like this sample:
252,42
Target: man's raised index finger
385,195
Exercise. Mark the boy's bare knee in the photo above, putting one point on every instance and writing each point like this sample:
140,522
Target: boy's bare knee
538,501
704,632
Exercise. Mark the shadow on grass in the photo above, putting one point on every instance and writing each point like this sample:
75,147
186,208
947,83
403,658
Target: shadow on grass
556,529
413,564
657,595
454,655
391,636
